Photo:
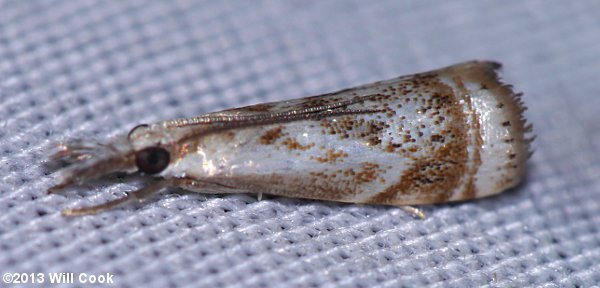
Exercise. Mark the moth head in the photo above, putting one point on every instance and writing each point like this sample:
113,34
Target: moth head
146,150
150,146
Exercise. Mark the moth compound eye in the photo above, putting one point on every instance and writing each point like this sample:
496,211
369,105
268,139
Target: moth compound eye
152,160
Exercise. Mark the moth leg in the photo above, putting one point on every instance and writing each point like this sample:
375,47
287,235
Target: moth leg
414,211
205,187
259,196
139,195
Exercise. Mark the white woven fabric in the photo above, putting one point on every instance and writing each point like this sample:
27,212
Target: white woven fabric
97,68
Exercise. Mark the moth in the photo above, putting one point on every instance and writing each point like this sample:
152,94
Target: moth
452,134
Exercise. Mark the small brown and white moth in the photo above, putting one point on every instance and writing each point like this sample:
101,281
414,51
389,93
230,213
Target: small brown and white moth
451,134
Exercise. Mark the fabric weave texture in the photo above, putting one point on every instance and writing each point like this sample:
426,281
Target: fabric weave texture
94,69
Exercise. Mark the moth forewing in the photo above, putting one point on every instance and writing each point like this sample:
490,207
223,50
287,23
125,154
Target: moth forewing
456,133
